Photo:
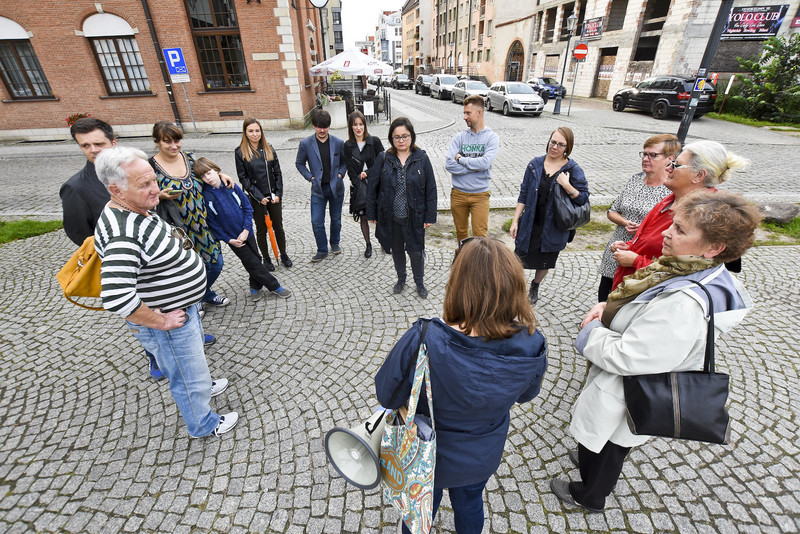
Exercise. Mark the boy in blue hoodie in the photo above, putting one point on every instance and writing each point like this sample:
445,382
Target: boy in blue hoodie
230,219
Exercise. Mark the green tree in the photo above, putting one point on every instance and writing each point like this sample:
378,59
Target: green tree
772,88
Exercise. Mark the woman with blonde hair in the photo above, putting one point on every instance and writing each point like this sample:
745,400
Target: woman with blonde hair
260,175
701,165
485,354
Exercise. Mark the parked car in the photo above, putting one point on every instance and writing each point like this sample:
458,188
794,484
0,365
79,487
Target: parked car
442,85
663,96
547,86
514,97
373,80
422,85
401,81
465,88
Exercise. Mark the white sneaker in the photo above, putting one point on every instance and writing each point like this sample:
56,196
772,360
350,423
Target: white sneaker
218,386
226,423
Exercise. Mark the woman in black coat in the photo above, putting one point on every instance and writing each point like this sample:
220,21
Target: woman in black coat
401,199
260,174
360,151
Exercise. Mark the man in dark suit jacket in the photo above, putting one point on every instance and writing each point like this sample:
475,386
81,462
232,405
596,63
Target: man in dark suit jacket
320,159
83,197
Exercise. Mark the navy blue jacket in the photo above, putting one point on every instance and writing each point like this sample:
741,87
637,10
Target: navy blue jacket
229,211
553,238
474,384
309,164
420,197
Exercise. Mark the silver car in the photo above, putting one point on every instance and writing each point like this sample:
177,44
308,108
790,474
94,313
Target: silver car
465,88
442,85
514,97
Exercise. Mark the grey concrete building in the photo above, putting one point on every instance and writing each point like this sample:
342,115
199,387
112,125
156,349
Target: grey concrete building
628,40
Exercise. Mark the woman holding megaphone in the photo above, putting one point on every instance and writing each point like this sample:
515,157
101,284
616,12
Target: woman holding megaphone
485,354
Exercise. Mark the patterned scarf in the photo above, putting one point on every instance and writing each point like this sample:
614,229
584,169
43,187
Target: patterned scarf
661,269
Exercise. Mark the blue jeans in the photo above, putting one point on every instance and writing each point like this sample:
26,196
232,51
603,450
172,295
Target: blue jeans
467,504
180,356
212,273
318,218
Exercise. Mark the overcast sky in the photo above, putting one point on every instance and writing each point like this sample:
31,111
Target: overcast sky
359,18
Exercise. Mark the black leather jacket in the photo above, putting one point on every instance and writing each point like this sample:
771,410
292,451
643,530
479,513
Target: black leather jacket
259,177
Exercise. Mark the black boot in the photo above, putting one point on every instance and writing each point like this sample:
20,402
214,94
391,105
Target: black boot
418,270
533,293
268,264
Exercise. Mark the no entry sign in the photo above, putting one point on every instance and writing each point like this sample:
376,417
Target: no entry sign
580,51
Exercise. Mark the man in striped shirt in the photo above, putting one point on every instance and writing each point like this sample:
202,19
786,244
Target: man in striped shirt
150,277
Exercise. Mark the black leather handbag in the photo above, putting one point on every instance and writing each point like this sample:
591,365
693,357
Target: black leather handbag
567,215
685,405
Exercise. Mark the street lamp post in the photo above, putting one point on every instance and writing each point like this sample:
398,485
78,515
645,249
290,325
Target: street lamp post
571,20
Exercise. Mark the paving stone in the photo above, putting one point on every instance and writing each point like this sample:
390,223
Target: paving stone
110,452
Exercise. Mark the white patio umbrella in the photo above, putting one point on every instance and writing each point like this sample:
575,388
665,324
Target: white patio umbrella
351,63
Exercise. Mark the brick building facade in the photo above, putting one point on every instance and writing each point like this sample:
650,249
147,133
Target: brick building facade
243,59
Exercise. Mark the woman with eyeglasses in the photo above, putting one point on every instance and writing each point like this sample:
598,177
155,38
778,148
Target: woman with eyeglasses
175,175
643,191
701,165
485,355
655,322
538,241
401,199
360,151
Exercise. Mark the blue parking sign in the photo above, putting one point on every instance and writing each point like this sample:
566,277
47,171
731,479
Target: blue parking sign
175,62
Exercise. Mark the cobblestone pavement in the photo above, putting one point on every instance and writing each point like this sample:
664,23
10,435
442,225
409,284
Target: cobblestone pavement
89,443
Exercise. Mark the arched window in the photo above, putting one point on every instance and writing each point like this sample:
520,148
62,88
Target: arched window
21,72
516,56
460,59
117,54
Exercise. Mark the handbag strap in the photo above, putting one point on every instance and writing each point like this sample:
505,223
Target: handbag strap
411,361
708,364
421,372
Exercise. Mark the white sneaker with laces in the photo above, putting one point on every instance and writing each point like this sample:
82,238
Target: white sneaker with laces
226,423
218,386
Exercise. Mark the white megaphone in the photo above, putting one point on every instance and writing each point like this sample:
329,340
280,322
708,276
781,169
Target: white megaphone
354,452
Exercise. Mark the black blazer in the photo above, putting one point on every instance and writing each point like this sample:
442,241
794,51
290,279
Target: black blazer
355,159
258,176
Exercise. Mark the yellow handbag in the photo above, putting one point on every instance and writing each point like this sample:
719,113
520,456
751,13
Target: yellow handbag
80,277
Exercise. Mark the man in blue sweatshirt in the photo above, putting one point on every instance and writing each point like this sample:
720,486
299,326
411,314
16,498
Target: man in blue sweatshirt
469,162
230,219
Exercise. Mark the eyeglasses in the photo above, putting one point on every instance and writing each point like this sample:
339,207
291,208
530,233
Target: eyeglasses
675,165
558,145
404,138
180,234
650,155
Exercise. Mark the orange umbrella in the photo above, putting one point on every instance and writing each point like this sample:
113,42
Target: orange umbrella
271,233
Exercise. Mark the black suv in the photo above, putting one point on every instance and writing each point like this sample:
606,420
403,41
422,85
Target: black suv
663,96
401,81
423,84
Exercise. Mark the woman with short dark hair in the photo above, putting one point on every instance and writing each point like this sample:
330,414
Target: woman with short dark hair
485,355
537,238
401,199
175,174
655,322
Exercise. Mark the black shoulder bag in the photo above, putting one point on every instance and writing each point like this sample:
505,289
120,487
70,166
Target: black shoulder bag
685,405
